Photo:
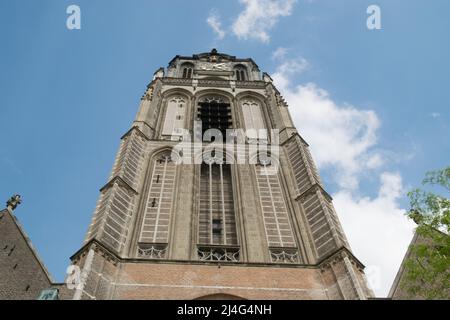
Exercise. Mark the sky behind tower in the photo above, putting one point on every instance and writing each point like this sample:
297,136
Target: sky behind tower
372,104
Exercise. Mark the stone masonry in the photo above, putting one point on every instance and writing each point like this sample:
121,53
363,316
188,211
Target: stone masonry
165,230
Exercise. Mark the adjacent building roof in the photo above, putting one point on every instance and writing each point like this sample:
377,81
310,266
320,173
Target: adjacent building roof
22,273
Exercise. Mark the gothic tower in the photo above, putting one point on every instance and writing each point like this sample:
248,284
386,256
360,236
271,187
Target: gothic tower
184,217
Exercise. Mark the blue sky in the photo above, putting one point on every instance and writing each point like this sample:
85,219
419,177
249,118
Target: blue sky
68,95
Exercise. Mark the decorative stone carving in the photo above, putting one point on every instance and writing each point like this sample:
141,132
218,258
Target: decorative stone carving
216,99
213,83
13,202
153,252
211,66
106,254
159,73
251,84
218,254
177,99
281,102
284,255
149,94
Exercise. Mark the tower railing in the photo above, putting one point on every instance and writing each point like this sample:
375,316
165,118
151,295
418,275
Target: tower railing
218,253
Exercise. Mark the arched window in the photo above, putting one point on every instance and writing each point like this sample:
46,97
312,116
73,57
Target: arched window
175,117
240,72
154,234
217,223
279,232
217,234
187,70
214,113
253,119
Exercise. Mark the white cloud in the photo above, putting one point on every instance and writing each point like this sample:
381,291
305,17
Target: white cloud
213,21
279,53
287,68
435,115
377,230
292,66
260,16
375,161
341,136
343,139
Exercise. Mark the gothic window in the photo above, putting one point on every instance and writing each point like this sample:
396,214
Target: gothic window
240,72
275,215
158,205
217,221
217,224
174,120
187,70
253,118
214,113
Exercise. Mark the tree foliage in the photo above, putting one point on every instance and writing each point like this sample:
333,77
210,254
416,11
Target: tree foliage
428,267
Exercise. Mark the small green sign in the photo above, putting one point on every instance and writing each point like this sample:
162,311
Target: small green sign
49,294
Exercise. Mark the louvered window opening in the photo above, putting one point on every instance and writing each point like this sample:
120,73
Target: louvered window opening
217,224
215,115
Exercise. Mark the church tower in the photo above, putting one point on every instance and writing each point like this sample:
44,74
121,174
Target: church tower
214,194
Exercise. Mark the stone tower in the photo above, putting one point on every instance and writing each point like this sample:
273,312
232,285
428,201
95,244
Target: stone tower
186,217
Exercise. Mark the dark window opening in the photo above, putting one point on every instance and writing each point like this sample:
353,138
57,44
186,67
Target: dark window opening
217,223
215,115
187,73
240,75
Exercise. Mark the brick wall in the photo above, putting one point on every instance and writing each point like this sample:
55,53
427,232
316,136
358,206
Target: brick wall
111,277
22,276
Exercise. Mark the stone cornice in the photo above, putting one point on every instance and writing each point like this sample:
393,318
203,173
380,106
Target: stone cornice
313,188
295,134
337,255
138,131
145,123
215,83
107,252
153,82
177,81
206,55
119,181
113,256
251,84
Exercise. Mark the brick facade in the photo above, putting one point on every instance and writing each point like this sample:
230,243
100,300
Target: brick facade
22,274
111,277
